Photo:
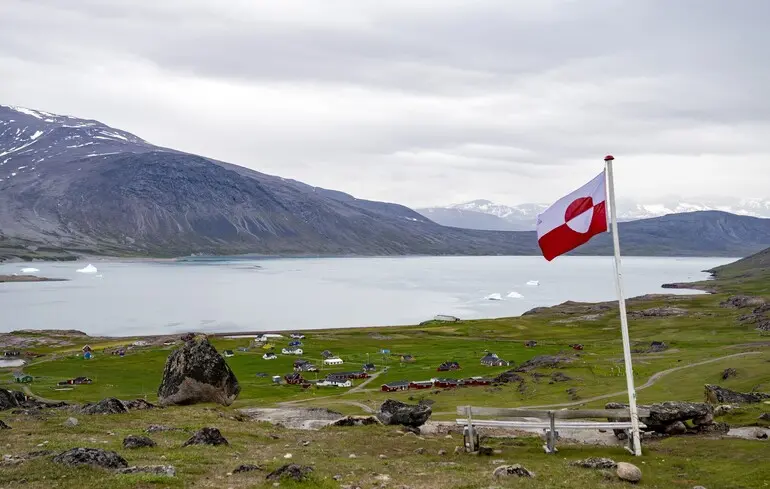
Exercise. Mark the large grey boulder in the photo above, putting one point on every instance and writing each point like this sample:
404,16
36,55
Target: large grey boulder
670,417
110,405
91,456
720,395
196,372
629,472
398,413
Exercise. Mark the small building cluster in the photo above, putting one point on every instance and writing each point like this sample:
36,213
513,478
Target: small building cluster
403,385
76,381
11,353
447,366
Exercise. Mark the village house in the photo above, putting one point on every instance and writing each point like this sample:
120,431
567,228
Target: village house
530,343
400,385
407,359
304,366
447,366
243,349
351,375
76,381
269,356
335,381
297,336
295,343
139,343
333,361
87,349
228,353
477,381
369,367
492,360
327,354
448,383
421,384
12,353
294,378
21,378
292,351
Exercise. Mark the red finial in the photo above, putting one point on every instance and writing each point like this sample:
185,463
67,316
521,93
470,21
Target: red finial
609,158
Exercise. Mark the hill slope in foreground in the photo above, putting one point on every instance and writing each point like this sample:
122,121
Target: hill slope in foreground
76,184
703,339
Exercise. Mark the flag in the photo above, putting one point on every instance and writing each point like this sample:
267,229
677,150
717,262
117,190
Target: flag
574,219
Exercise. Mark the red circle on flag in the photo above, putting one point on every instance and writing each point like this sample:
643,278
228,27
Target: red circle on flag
577,207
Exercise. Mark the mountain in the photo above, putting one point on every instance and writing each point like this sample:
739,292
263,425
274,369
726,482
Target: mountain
80,185
523,216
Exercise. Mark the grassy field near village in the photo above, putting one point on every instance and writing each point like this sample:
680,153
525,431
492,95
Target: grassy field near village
703,341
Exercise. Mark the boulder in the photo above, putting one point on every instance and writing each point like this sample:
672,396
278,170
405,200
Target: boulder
246,468
166,470
595,463
290,471
135,441
511,471
397,413
759,434
206,436
664,414
543,361
91,456
717,428
763,325
11,399
657,347
70,422
729,372
764,417
138,405
196,372
720,395
741,301
110,405
356,421
508,376
4,426
560,377
665,311
629,472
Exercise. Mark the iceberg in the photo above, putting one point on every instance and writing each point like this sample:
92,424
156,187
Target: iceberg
515,295
533,282
87,269
29,270
494,297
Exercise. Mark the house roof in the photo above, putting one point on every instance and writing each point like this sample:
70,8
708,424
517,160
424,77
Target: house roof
398,383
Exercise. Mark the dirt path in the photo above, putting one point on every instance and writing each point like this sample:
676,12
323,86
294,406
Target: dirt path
29,392
650,382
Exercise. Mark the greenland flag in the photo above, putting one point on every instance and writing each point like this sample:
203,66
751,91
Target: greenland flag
574,219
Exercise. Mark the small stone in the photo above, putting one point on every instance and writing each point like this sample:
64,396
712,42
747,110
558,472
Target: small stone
337,477
206,436
275,437
596,463
4,426
764,417
698,487
71,422
448,437
442,452
288,455
677,428
512,471
134,441
419,451
459,450
382,478
382,456
759,434
291,471
246,468
629,472
352,455
487,451
305,443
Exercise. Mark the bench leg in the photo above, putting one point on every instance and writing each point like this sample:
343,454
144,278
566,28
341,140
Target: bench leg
631,448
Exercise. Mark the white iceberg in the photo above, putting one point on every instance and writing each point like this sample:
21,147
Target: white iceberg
494,297
533,282
515,295
88,269
29,270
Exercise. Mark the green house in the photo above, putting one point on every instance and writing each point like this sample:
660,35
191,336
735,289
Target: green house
22,378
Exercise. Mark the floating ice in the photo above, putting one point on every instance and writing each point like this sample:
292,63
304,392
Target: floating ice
29,270
88,269
515,295
494,297
533,282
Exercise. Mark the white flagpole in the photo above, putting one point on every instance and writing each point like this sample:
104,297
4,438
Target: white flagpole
637,446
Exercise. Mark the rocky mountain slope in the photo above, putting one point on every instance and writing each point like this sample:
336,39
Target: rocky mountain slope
75,184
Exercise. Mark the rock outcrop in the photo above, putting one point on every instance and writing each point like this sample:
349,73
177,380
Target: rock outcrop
196,372
397,413
165,470
138,405
356,421
4,426
516,470
720,395
741,301
671,417
16,399
665,311
206,436
135,441
91,456
246,468
110,405
729,372
543,361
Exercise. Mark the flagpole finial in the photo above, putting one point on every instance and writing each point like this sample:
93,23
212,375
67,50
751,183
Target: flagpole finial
609,158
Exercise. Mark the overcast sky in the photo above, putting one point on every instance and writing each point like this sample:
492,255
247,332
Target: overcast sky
420,102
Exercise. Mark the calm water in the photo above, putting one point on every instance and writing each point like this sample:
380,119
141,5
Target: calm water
135,298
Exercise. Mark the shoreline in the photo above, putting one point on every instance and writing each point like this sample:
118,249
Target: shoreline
28,278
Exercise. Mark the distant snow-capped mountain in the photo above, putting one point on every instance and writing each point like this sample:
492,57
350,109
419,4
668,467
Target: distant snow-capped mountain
485,214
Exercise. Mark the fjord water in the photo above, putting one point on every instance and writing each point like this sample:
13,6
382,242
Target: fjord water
229,295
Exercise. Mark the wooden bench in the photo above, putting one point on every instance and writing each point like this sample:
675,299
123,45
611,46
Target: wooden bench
547,420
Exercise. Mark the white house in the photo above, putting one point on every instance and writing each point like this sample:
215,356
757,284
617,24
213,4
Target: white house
139,343
292,351
333,361
297,336
335,383
269,356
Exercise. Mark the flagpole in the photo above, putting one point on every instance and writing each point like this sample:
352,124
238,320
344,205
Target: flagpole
637,446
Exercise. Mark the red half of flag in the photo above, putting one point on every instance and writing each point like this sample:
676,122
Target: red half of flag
573,220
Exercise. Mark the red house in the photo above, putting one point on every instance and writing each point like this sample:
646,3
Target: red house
448,383
401,385
421,384
294,378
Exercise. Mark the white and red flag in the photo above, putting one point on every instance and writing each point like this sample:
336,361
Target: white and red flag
574,219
